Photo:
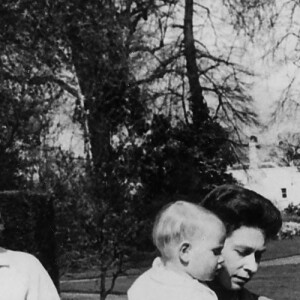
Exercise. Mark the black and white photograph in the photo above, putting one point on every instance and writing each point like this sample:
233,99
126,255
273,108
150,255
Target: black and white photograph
149,150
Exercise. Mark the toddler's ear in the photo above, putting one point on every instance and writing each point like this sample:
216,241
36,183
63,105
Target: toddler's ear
184,252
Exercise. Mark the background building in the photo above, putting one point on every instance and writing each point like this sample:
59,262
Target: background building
278,182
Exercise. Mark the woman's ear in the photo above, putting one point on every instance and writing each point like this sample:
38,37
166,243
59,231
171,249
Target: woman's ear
184,252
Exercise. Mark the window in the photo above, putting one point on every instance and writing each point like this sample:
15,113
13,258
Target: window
284,193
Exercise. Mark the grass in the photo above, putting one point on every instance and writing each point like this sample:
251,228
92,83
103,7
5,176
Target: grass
277,282
92,285
282,248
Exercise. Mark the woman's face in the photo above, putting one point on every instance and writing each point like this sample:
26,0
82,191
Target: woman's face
242,254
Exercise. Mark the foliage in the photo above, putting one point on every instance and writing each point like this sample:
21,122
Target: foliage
162,161
291,224
87,224
289,230
292,209
185,162
124,47
150,166
17,135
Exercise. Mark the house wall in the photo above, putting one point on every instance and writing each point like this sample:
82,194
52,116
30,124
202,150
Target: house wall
271,182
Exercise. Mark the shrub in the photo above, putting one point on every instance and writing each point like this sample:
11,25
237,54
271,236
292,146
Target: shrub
289,230
292,209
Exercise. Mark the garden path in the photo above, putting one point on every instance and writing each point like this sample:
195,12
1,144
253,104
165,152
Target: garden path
295,259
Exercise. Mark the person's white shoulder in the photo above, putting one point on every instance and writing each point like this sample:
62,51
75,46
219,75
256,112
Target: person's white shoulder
263,298
22,260
203,292
138,289
18,256
202,295
41,285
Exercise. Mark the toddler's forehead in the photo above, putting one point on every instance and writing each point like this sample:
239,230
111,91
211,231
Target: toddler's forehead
209,226
211,220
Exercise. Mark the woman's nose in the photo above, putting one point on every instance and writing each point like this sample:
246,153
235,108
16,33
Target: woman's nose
220,261
251,264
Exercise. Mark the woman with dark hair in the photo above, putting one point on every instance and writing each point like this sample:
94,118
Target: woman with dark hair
251,220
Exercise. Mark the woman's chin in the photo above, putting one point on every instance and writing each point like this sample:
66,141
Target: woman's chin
236,285
232,285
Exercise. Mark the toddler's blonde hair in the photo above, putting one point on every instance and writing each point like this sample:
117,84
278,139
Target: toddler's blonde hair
178,221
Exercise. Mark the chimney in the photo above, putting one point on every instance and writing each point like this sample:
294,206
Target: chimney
253,157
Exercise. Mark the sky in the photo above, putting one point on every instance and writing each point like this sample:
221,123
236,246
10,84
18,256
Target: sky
274,71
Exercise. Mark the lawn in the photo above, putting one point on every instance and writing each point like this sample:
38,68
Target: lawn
282,248
277,282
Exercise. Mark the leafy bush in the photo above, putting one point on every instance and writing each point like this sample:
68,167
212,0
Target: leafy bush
292,209
291,222
289,230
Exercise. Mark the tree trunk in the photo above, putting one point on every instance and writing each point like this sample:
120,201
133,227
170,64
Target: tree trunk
100,93
198,105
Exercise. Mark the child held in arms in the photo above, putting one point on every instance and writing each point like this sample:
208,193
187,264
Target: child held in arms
190,240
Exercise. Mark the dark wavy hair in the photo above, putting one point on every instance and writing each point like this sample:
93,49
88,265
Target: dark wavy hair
237,206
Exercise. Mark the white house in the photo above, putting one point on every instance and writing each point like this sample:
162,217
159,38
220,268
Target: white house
279,184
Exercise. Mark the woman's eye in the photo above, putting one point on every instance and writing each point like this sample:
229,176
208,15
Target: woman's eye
217,251
242,253
258,256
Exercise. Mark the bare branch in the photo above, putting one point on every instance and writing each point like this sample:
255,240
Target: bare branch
40,80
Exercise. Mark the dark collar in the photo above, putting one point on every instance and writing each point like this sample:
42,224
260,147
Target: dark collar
5,260
224,294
